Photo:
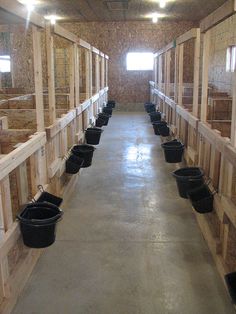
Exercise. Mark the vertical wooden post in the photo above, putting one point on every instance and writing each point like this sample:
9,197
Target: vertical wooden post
233,118
38,78
180,76
205,75
103,72
196,73
91,72
176,74
72,77
87,73
155,71
51,79
160,72
97,73
168,58
77,75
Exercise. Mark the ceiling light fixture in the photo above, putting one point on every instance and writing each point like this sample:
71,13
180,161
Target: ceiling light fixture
30,4
52,18
155,18
162,4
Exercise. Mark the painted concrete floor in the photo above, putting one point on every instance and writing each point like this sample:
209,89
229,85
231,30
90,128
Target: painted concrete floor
127,244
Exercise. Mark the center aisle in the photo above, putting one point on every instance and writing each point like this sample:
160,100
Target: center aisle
128,244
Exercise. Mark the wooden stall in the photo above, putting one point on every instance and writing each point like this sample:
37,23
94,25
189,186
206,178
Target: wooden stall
208,131
38,126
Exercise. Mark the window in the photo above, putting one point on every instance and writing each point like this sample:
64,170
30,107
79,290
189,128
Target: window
5,64
231,59
139,61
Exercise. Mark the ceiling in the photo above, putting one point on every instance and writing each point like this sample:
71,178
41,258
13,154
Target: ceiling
126,10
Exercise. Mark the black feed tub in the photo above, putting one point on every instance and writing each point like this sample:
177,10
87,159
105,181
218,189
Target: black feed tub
38,224
85,152
230,280
163,129
93,135
99,122
111,104
105,117
48,197
173,151
107,110
155,126
187,179
73,164
201,199
155,116
149,107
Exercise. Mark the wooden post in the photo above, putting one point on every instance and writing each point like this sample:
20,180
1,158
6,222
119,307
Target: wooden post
51,79
176,73
233,119
97,74
77,75
38,78
102,72
87,73
205,78
168,59
180,76
160,72
106,73
196,73
72,77
91,72
155,71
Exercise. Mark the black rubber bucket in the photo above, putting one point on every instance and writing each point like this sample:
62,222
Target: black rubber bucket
230,280
155,116
201,199
150,107
155,126
188,179
104,117
111,104
93,135
99,122
107,110
73,164
173,151
38,224
164,130
49,198
85,152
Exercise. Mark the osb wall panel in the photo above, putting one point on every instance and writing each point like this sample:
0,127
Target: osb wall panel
117,39
222,36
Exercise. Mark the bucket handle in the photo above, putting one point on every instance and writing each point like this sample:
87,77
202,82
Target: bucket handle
40,188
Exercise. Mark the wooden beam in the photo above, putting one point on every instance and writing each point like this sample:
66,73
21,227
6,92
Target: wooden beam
38,78
192,33
60,31
176,74
95,50
102,73
197,43
233,120
77,75
21,11
97,73
51,74
72,77
84,44
167,79
205,75
160,72
219,15
181,72
165,49
20,154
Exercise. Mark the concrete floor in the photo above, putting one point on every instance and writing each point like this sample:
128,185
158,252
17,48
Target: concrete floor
128,244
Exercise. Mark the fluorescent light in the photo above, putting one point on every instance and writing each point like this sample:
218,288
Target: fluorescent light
162,4
52,18
30,4
155,17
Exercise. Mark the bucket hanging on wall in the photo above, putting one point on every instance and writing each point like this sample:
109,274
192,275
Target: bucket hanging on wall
173,151
107,110
149,107
105,117
202,199
48,197
111,104
230,280
187,179
155,126
38,224
85,152
93,135
155,116
73,164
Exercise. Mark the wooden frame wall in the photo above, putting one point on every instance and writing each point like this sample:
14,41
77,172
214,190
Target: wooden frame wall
41,158
205,147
